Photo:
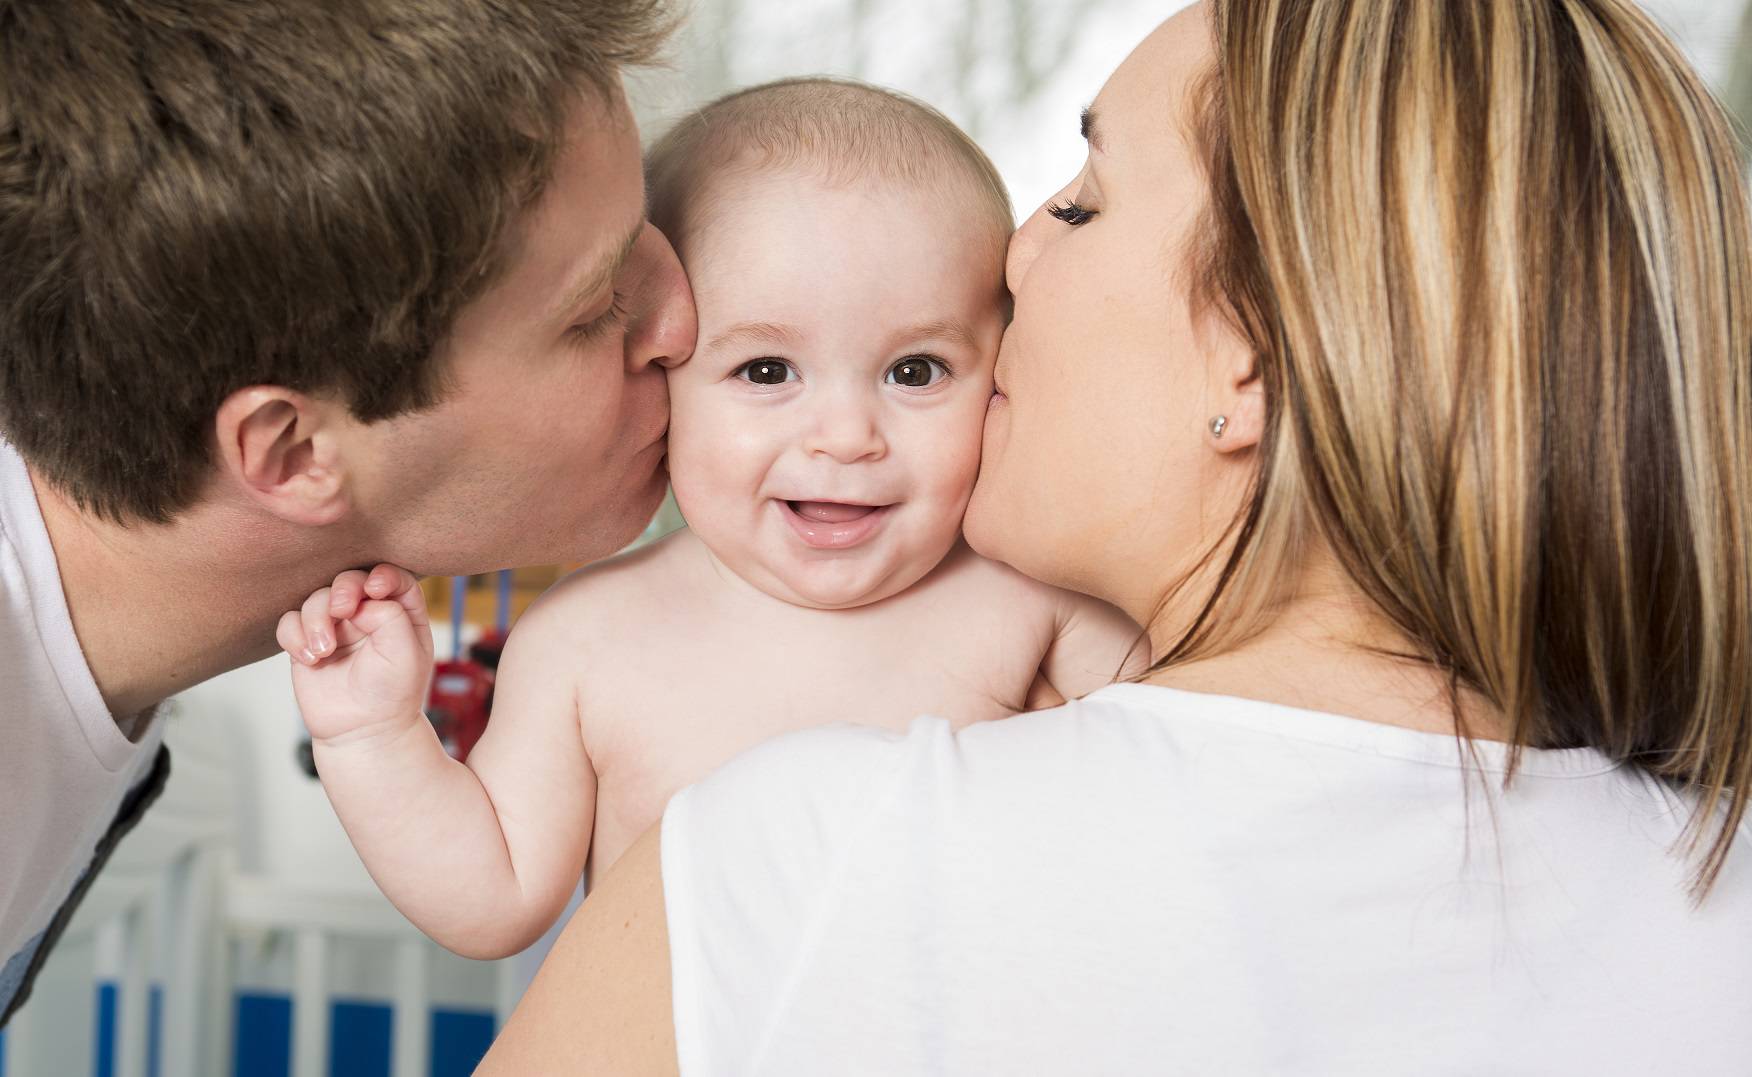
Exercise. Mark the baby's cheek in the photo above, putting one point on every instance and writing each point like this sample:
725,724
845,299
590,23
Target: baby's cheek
955,464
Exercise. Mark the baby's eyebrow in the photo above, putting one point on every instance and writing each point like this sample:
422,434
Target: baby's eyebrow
952,332
757,333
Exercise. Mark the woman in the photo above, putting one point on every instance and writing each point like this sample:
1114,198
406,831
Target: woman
1390,362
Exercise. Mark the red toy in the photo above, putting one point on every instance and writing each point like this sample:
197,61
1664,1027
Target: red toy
458,705
461,698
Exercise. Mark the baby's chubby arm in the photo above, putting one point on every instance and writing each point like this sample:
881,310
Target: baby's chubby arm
1093,645
482,857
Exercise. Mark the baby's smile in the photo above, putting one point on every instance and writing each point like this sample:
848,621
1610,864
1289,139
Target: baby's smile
826,433
835,525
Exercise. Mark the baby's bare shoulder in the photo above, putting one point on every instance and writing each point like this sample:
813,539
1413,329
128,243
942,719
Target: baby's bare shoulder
972,577
1050,613
614,600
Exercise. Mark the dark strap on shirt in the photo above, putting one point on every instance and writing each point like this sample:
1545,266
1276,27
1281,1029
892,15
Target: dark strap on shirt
134,806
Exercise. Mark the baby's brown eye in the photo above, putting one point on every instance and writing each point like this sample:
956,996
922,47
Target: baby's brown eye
766,372
916,372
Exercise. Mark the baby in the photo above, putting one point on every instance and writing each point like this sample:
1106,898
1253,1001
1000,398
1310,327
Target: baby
846,250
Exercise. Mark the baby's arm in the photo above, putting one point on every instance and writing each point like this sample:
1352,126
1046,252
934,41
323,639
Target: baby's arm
1093,645
480,857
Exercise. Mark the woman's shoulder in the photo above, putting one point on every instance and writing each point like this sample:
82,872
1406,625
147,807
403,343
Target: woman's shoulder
1119,728
797,780
809,782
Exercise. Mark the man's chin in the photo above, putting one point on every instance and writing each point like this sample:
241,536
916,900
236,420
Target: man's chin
587,533
637,514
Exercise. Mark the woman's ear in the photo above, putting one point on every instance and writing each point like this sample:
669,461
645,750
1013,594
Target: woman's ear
1240,421
281,449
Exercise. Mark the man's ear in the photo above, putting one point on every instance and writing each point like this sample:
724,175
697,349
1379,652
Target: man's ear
281,449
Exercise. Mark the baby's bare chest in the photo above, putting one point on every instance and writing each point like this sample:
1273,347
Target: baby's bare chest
666,714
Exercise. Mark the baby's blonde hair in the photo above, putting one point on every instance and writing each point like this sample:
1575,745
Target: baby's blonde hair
841,130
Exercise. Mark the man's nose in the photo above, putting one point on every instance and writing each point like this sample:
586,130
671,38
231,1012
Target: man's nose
845,428
663,328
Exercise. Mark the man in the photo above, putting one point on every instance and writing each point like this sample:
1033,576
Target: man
287,288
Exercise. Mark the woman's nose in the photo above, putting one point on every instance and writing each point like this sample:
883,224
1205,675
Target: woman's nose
662,327
846,430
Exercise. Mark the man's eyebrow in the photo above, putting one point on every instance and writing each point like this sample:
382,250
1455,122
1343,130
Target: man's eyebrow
601,277
756,333
1091,132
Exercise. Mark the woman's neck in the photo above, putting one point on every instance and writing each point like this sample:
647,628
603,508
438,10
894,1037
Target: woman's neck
1330,649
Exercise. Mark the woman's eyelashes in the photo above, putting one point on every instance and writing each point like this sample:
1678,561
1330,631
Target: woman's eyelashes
1070,213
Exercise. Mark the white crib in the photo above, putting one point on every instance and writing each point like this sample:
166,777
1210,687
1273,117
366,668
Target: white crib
143,982
151,916
241,856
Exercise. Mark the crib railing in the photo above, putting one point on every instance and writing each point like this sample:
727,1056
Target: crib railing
179,937
316,921
149,919
164,926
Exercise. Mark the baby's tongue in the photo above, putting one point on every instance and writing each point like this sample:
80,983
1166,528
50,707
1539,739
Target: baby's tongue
828,512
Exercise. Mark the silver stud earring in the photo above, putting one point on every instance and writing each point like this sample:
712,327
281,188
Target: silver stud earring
1218,425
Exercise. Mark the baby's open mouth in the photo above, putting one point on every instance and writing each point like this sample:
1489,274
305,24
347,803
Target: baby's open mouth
835,525
831,512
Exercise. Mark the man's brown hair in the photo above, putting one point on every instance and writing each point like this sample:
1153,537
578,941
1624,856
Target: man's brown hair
201,195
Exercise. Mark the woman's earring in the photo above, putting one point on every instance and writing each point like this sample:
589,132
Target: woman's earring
1218,425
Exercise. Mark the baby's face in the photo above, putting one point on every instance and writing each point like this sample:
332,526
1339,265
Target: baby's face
825,436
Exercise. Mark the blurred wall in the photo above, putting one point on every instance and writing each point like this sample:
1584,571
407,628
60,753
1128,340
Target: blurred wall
1739,90
1013,73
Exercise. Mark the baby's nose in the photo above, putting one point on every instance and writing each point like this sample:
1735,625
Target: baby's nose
847,431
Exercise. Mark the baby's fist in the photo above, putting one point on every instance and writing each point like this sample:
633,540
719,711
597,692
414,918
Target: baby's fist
361,653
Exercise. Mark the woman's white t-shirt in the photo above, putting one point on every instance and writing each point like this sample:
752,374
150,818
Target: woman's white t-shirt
1152,881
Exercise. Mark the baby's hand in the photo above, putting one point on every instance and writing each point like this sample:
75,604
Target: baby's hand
361,654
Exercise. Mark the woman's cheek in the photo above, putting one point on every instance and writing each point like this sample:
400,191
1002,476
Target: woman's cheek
993,508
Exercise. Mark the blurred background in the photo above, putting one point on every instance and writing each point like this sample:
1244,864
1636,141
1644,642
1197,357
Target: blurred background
236,931
1013,73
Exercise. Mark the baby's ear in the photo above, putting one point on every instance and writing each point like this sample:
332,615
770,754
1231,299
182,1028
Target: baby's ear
282,451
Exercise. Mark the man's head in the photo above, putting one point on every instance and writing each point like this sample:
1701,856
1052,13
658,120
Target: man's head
846,248
378,266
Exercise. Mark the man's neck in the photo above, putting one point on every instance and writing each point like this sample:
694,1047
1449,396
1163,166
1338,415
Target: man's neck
162,607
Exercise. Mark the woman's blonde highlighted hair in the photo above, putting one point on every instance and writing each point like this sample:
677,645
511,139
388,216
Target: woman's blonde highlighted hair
1493,256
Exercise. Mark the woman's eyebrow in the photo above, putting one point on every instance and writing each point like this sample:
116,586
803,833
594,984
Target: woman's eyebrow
1092,133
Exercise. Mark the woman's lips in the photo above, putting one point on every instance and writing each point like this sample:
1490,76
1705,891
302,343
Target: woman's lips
832,525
